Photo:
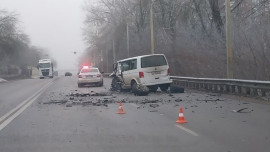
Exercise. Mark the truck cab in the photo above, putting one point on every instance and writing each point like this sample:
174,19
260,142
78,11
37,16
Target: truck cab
45,67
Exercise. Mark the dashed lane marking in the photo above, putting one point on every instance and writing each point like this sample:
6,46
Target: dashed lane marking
187,130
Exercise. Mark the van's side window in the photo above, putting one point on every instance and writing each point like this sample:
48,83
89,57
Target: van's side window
125,66
129,65
133,64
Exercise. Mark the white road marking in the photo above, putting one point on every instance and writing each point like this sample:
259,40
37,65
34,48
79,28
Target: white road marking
187,130
12,114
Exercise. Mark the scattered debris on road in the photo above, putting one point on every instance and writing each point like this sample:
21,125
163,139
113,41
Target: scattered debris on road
56,102
69,104
90,94
210,100
176,89
153,105
214,94
149,101
243,110
178,100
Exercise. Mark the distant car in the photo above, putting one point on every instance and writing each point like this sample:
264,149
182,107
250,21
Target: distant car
90,75
68,74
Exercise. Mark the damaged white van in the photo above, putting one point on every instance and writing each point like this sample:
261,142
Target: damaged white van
148,72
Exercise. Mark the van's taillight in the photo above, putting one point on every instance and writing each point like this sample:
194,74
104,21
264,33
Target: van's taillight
141,74
169,71
99,75
80,76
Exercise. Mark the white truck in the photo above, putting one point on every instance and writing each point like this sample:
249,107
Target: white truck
45,67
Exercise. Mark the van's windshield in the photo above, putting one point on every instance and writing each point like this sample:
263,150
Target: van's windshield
152,61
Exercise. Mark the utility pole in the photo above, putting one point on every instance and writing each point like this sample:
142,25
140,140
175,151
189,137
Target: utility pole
107,63
102,61
113,51
128,39
152,29
94,58
229,41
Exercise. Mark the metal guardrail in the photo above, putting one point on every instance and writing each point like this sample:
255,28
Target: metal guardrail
233,86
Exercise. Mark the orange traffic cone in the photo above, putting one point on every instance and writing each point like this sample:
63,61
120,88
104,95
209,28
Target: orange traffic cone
181,118
121,109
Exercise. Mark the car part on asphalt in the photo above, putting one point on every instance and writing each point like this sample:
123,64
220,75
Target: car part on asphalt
176,89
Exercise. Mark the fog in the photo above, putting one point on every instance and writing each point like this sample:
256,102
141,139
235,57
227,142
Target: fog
52,24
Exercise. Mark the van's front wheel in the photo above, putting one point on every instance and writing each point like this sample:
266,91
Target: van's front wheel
164,87
116,84
139,90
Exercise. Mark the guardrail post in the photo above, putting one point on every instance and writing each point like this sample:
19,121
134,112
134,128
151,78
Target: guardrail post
261,92
208,86
225,88
267,94
219,88
214,87
205,86
232,89
253,92
197,85
244,90
186,84
238,89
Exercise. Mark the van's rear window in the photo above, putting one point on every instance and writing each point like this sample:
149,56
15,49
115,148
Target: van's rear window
152,61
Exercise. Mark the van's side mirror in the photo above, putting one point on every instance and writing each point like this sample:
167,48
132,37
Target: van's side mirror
102,72
37,66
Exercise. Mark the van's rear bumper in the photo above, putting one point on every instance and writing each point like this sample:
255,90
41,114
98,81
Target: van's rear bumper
157,83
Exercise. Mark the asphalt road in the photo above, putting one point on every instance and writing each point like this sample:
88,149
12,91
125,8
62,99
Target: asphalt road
58,116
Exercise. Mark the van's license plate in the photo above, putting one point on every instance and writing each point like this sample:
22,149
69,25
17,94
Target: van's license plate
156,72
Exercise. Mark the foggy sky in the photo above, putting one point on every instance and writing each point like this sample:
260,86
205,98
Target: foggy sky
52,24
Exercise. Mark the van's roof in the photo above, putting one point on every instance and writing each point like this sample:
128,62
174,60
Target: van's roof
139,57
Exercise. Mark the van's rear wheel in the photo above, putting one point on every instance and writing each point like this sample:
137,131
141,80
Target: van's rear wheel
134,88
164,87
